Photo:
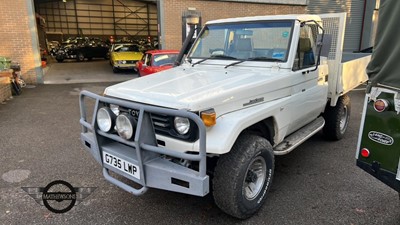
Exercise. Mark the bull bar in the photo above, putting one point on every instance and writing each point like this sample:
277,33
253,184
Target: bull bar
156,171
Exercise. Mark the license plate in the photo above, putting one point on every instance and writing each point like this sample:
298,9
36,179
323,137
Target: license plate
122,165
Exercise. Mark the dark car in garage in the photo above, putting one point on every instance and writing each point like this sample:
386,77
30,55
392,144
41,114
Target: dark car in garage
82,48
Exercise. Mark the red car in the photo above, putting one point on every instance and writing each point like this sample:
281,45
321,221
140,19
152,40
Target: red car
155,61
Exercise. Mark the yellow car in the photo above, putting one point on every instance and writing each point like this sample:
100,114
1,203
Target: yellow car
124,56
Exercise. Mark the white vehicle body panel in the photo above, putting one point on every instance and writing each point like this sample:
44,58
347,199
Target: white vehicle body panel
291,99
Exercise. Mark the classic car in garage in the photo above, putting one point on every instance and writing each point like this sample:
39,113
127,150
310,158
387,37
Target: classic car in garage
156,60
124,56
82,48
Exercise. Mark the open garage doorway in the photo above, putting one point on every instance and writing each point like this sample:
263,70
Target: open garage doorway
77,36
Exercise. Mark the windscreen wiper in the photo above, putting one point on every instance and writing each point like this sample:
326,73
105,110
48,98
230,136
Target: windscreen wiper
232,64
261,58
214,57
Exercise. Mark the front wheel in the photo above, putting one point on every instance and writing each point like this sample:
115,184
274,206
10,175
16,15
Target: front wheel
243,176
337,118
115,69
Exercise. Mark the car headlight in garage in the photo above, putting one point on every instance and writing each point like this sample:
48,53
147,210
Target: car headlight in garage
121,61
125,126
105,119
182,125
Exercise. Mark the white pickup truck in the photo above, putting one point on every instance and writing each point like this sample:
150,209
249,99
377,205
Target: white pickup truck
248,89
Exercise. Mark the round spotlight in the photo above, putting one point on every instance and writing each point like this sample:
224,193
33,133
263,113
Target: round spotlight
125,126
105,119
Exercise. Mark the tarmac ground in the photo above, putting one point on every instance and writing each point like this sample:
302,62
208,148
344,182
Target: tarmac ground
318,183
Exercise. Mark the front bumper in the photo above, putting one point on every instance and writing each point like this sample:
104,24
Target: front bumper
156,170
125,66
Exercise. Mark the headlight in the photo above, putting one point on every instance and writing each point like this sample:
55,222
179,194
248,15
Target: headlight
125,126
182,125
105,118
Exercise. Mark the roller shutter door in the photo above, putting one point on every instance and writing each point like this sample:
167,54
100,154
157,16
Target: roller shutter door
354,20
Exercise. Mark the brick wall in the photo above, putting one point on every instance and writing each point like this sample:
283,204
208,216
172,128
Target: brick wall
211,10
15,37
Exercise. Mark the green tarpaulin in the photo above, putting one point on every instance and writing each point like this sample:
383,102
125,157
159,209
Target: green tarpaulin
384,67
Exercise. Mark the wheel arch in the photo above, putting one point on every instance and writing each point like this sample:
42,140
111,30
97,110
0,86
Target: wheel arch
265,128
266,120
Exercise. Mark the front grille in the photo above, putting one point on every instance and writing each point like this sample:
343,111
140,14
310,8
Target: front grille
131,61
161,122
164,125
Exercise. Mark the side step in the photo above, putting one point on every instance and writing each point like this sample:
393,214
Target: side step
298,137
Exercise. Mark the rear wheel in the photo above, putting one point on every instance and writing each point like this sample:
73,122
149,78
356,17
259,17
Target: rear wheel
337,118
243,176
80,57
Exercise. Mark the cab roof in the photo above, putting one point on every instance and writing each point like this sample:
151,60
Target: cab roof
301,17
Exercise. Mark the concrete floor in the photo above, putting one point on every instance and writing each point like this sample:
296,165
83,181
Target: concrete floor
70,72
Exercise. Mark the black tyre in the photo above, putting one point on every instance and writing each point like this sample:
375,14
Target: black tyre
115,69
243,176
337,118
60,60
80,57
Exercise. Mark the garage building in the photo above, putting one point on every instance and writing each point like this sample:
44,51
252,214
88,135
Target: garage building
26,24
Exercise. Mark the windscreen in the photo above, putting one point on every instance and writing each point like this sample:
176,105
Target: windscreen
164,59
244,40
126,48
384,67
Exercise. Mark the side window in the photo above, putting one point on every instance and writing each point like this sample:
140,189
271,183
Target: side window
148,60
306,49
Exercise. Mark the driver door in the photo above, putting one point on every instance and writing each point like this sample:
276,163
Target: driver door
146,65
309,91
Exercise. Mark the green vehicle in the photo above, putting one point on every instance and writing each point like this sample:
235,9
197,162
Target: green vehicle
378,150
